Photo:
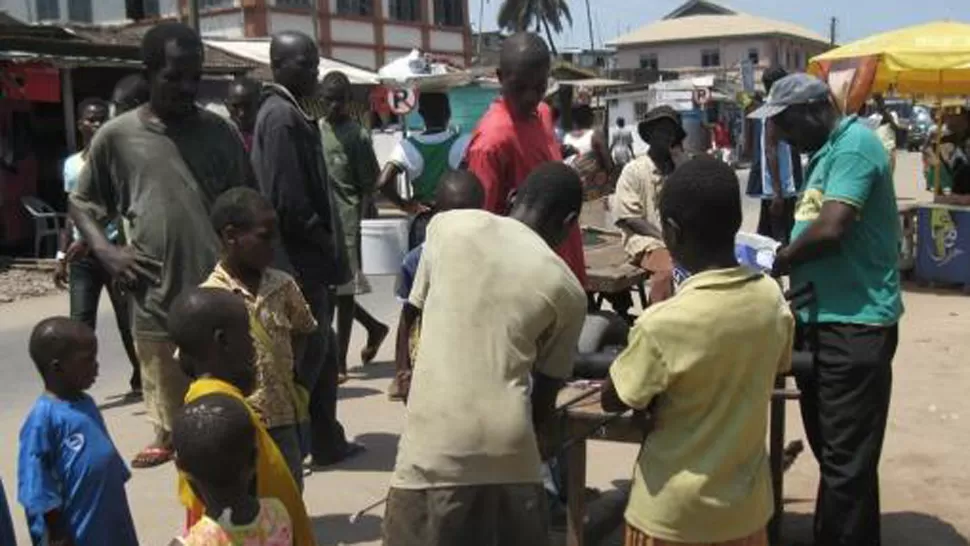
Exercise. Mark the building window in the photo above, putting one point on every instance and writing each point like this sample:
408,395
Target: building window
753,56
207,4
788,58
649,62
359,8
137,10
710,58
403,10
79,11
640,110
305,4
151,7
48,10
449,13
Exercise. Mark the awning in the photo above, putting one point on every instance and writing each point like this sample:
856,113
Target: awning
257,49
594,82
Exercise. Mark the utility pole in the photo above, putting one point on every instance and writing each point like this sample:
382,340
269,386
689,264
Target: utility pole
481,29
832,26
194,15
589,21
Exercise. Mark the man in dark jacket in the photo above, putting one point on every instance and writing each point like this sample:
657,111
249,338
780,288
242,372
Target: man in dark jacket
287,156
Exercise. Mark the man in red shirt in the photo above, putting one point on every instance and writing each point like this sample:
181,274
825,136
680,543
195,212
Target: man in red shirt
516,135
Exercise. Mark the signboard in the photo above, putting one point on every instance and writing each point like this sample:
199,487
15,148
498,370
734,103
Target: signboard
747,76
701,96
402,101
35,82
378,101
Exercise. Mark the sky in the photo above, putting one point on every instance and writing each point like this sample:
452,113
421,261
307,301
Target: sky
856,18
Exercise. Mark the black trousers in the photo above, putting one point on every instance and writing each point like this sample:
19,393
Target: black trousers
778,229
317,372
845,406
87,279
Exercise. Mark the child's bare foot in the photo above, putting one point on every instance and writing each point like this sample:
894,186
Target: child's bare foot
375,338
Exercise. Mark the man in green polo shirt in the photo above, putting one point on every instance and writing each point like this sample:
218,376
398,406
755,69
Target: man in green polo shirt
846,243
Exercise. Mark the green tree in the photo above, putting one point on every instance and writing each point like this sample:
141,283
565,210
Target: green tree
548,15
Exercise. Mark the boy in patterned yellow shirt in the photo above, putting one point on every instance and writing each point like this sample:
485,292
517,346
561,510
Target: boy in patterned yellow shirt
279,315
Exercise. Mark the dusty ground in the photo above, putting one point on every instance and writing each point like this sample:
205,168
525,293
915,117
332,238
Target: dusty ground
18,284
925,485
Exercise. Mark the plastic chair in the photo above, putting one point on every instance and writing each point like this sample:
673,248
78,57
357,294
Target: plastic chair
47,221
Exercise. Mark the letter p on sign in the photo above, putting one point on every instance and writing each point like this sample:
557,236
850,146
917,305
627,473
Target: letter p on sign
402,101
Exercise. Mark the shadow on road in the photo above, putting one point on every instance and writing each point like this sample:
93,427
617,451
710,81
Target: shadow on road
334,529
379,457
374,370
898,529
347,393
120,401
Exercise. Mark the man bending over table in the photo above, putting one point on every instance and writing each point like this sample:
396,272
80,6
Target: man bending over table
501,315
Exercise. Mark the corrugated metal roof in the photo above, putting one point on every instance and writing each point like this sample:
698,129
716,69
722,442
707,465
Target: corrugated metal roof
72,45
67,61
257,50
215,60
703,27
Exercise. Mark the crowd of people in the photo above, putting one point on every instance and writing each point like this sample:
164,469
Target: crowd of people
236,246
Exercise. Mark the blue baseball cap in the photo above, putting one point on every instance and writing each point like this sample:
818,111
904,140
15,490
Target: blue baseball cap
794,89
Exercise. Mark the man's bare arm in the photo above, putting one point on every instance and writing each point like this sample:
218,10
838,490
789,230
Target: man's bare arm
819,238
640,226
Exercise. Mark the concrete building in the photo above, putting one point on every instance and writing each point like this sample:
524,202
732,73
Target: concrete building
598,60
702,38
367,33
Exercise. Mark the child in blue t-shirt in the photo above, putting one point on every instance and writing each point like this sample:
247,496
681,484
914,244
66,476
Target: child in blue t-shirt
457,190
71,479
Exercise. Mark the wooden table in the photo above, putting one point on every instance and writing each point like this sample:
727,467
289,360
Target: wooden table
608,268
588,420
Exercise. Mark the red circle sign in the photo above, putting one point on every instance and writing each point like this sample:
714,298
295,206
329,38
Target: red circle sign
402,101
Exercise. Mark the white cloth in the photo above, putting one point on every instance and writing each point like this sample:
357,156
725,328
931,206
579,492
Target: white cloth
582,142
408,158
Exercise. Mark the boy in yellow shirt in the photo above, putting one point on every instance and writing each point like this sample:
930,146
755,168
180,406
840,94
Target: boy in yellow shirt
211,328
704,362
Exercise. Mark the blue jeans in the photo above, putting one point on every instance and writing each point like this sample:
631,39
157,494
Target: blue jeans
87,279
287,439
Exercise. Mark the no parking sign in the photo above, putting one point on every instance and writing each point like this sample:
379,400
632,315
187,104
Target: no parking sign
402,101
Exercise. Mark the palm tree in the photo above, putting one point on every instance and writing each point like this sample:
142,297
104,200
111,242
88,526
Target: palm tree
519,15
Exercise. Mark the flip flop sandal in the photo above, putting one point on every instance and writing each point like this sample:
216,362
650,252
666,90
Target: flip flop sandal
151,457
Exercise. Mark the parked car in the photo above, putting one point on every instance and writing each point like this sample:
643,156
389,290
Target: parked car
902,112
920,126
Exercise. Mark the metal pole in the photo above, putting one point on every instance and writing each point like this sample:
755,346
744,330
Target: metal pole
194,15
481,29
832,26
70,115
589,22
316,23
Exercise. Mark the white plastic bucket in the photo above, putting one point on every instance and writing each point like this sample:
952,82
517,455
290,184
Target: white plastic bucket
384,242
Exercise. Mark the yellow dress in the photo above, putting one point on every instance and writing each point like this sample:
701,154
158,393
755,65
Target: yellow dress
273,478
